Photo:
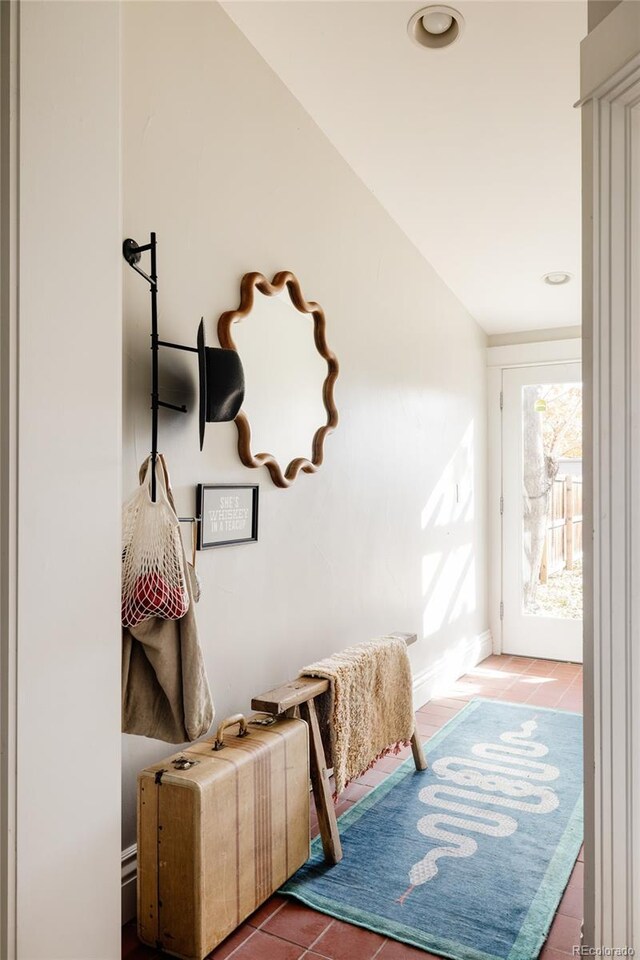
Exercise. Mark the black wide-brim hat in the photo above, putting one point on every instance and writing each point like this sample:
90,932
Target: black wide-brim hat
221,383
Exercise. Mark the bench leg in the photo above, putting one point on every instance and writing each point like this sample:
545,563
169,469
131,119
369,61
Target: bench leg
418,753
321,790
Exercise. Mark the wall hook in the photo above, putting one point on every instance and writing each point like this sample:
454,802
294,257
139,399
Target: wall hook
221,375
132,253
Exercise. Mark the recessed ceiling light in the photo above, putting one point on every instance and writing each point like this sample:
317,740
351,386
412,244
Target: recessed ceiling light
556,278
435,26
436,22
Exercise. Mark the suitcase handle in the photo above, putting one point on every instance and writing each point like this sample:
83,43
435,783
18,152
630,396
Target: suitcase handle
229,722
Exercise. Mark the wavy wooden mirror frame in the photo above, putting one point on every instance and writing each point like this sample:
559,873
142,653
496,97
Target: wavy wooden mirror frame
250,283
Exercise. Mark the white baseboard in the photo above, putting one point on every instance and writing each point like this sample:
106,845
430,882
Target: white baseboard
456,661
426,685
129,875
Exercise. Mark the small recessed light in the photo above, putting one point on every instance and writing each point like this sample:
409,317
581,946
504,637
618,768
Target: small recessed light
436,22
557,278
435,26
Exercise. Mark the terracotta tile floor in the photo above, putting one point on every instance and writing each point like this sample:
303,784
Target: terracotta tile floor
285,930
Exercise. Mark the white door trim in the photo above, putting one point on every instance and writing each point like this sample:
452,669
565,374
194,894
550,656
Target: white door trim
529,354
611,248
9,17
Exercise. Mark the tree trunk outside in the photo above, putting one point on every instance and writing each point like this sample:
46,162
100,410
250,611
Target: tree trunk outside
535,490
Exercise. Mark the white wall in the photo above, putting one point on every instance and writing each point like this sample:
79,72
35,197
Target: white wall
234,176
68,389
598,10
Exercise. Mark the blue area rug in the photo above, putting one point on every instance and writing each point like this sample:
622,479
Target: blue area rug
468,859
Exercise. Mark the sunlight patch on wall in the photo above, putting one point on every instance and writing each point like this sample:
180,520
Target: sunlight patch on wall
451,500
464,599
448,585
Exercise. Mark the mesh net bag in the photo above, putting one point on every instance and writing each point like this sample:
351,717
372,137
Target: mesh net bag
153,571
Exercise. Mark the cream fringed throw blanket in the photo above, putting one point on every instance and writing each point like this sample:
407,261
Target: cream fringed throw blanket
368,710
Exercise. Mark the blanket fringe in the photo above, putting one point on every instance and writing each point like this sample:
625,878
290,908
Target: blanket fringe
394,749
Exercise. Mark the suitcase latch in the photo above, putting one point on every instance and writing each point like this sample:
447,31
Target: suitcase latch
183,763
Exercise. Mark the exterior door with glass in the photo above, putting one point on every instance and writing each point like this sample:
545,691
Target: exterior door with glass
542,511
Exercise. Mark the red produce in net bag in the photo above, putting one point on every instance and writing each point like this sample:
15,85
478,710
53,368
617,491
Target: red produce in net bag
153,573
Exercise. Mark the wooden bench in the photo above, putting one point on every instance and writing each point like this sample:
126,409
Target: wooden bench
299,696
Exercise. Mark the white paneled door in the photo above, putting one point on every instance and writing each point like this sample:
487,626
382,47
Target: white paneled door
542,511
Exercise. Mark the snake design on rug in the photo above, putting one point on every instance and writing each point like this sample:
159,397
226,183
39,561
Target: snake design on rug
514,779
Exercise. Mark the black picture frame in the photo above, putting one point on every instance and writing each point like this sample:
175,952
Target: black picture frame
206,494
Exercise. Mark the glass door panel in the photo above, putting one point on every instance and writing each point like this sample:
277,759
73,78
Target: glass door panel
542,511
552,500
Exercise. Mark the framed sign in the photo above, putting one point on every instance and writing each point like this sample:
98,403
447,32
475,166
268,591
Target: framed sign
227,513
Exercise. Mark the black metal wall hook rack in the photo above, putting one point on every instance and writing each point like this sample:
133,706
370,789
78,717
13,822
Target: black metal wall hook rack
132,253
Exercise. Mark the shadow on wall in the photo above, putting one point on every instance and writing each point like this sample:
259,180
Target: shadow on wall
449,588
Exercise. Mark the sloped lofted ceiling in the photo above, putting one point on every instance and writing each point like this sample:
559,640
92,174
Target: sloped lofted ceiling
474,150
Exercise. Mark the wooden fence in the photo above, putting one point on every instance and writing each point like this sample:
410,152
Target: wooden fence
563,543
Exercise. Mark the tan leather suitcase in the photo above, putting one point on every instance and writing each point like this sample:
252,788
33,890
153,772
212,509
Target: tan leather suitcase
221,825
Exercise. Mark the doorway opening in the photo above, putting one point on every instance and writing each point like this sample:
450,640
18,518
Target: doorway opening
542,592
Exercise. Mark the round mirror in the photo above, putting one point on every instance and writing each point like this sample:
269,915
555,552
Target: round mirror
290,372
